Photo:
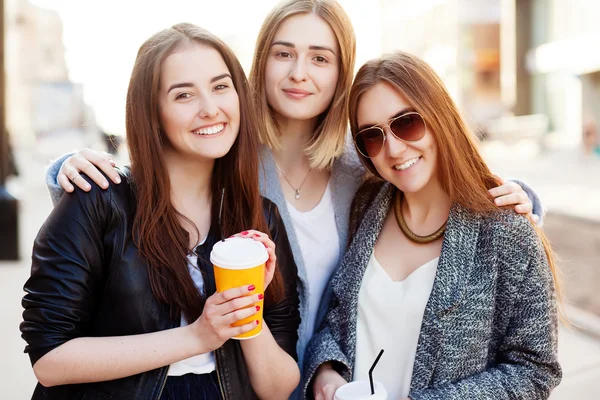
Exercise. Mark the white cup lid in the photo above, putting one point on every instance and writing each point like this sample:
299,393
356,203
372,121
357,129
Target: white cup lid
238,253
361,390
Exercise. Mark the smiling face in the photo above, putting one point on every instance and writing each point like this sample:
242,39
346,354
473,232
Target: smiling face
198,105
302,67
410,166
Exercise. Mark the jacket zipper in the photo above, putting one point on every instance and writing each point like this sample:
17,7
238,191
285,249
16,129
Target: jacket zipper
219,374
164,382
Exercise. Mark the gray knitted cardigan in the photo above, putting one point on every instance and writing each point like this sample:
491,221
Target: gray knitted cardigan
490,328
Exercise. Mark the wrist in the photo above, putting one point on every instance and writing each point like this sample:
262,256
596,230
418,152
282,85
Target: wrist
324,368
194,341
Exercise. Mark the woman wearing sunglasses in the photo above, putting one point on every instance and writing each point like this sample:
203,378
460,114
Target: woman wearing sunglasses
459,293
301,74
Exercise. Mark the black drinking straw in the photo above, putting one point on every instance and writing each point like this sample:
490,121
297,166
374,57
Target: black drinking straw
371,372
220,213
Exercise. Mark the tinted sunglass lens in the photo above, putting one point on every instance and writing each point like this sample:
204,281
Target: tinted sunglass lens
369,142
410,127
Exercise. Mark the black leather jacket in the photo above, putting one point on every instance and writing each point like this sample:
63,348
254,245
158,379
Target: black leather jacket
89,279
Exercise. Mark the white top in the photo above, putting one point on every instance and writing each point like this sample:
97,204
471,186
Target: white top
202,363
390,315
320,247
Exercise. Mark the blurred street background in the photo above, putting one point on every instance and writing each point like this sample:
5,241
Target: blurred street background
526,73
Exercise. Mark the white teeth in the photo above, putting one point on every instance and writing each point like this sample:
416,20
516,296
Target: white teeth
406,165
211,130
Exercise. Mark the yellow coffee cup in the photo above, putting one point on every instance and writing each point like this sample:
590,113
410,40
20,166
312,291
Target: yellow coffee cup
239,262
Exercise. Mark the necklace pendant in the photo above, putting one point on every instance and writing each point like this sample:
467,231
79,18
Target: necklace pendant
297,194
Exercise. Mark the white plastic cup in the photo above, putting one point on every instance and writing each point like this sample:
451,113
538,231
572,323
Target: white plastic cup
361,390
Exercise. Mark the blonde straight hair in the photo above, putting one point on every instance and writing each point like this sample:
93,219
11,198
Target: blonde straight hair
328,139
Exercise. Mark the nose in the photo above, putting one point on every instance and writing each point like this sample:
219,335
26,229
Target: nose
298,72
393,146
208,107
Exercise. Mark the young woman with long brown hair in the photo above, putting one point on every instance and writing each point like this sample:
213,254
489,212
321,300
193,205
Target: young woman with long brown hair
460,294
121,302
301,75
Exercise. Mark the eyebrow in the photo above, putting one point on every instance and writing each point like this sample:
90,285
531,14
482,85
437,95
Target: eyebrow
189,84
399,113
311,47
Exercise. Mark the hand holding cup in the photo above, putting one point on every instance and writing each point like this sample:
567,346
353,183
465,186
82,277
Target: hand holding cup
238,261
327,382
221,310
269,245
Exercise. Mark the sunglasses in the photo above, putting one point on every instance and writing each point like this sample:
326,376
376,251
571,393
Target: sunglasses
409,127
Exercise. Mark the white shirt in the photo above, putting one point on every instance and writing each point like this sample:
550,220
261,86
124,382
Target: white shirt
319,243
390,315
202,363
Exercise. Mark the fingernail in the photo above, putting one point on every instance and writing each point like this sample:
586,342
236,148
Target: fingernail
257,308
261,296
251,288
87,187
256,235
231,236
118,180
257,322
245,233
498,202
266,246
104,184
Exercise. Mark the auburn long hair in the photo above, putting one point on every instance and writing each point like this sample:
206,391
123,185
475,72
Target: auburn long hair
157,227
329,137
463,173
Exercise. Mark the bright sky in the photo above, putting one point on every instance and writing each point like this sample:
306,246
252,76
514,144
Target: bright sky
102,37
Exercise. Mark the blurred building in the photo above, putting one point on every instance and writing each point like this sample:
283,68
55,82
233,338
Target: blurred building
518,67
40,99
461,40
560,41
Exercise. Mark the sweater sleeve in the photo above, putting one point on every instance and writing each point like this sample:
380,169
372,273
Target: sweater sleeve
283,317
321,349
56,191
538,207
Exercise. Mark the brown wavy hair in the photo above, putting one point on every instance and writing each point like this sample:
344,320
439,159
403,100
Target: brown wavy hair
463,173
157,227
329,137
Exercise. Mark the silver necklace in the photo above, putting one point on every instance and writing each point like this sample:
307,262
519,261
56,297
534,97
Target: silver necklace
296,189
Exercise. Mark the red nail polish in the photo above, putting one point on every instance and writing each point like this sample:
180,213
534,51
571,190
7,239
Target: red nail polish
256,235
245,233
257,322
251,288
266,246
257,308
261,296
